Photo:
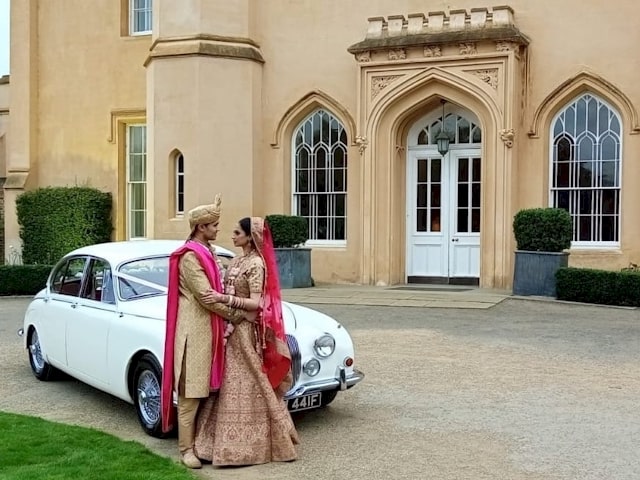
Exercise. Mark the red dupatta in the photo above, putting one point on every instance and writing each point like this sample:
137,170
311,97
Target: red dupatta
276,362
217,326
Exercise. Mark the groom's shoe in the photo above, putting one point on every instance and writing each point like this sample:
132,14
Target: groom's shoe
190,460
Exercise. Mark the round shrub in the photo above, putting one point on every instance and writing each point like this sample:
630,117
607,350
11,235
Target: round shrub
543,229
288,230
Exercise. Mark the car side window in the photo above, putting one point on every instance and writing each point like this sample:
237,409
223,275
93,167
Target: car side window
67,279
98,285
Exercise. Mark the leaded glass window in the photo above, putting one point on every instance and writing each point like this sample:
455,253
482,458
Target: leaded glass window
459,129
320,176
585,169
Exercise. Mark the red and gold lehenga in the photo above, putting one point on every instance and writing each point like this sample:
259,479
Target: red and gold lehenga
247,421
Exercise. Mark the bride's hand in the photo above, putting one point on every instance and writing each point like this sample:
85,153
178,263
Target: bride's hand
211,296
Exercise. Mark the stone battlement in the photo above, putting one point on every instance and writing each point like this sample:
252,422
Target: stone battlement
439,22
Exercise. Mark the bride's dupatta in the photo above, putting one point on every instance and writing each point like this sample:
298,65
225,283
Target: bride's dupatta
276,356
217,327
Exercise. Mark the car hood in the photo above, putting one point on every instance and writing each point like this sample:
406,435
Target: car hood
156,307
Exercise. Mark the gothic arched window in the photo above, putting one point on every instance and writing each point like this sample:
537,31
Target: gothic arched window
320,176
585,162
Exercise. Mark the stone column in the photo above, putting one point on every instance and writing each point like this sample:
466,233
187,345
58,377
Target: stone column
204,75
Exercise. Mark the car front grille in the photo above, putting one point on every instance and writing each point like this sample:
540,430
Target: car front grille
296,362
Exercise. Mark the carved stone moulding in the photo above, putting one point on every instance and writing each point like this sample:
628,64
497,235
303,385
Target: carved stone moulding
468,48
507,135
363,57
397,54
362,143
381,82
487,75
432,51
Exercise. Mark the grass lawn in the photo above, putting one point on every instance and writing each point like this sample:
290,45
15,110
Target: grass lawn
32,448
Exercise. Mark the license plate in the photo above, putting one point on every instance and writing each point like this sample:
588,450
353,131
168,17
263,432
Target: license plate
305,402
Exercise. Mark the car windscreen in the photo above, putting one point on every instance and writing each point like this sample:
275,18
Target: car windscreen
143,277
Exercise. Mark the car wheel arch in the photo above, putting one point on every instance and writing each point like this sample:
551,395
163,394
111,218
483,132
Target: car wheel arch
131,368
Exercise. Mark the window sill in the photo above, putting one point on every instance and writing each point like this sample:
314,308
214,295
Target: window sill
330,245
595,249
136,36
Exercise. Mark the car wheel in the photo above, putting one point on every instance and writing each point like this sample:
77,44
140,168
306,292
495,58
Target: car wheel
146,395
40,367
328,397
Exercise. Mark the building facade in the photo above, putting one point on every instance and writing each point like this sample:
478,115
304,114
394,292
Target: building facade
333,110
4,140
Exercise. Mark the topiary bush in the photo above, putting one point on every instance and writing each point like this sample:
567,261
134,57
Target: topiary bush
23,279
288,230
598,286
543,229
56,220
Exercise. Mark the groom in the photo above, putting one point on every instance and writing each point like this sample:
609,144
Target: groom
194,346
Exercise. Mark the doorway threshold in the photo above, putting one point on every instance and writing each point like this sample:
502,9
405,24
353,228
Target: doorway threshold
433,288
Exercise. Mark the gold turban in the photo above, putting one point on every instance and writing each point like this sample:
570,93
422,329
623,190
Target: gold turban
205,214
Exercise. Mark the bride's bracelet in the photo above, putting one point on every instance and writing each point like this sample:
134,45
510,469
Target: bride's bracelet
235,302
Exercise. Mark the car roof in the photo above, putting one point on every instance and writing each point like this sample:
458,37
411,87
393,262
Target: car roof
117,252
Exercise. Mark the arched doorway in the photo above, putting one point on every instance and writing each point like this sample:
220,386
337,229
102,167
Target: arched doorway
444,199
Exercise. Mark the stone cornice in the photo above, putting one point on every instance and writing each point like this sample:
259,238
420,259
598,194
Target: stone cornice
438,31
4,79
503,34
205,45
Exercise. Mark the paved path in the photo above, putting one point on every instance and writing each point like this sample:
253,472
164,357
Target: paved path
399,296
521,391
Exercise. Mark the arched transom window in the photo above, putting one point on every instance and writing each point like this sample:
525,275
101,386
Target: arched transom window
459,129
320,176
585,169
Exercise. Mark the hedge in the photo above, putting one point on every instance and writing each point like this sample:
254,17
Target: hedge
598,286
23,279
288,230
55,220
543,229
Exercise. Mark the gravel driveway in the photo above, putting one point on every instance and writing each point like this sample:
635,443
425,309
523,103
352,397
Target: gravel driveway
525,390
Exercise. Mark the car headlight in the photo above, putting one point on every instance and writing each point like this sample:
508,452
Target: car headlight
324,346
312,367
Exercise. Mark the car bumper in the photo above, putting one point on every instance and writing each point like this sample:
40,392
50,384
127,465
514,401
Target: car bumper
342,381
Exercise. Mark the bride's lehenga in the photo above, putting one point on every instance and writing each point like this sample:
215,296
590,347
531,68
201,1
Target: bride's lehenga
247,421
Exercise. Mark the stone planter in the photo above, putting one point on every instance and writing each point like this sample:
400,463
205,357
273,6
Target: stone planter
535,272
294,267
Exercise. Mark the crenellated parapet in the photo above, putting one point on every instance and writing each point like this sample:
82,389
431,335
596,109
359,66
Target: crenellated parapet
436,34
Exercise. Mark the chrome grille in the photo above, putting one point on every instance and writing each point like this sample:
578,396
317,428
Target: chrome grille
296,362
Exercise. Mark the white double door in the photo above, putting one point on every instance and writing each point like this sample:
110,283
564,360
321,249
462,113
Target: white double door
443,215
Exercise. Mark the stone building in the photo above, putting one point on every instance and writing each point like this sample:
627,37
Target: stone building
333,110
4,126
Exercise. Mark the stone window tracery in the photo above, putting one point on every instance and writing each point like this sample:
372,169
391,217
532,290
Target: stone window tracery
586,157
320,176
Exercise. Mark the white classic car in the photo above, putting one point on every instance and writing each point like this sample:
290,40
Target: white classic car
101,319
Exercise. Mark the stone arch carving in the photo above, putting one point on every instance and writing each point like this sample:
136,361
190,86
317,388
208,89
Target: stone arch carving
460,86
303,107
583,81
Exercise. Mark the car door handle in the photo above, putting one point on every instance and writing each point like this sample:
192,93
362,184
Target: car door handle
74,305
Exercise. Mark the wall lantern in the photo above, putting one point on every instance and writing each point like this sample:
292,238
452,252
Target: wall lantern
443,139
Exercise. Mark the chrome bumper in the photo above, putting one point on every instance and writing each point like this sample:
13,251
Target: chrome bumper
341,382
